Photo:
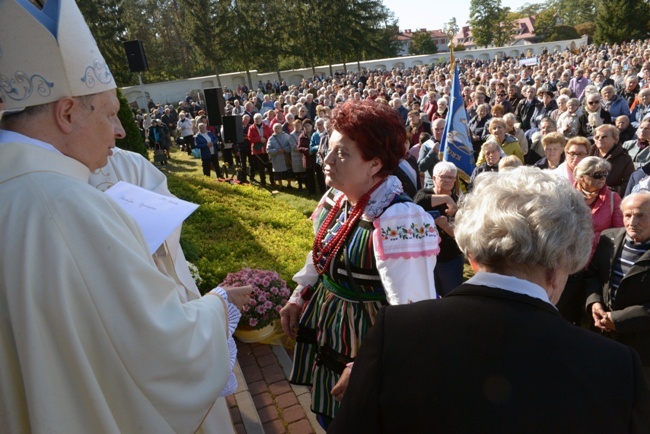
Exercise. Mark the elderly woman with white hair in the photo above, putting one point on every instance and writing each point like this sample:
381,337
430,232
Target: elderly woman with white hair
590,176
562,101
509,144
443,108
440,201
492,154
279,149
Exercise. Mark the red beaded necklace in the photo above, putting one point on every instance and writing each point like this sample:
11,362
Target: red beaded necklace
322,254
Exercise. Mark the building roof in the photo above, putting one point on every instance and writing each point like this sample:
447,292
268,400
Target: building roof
525,31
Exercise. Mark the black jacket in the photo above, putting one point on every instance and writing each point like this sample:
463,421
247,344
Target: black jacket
631,306
524,113
487,360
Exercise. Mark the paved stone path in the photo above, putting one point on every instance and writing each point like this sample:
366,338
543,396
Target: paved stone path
265,402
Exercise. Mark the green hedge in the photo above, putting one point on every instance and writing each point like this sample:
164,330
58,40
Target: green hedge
133,140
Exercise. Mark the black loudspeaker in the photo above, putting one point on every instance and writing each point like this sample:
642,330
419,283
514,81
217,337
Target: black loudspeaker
233,131
135,55
215,104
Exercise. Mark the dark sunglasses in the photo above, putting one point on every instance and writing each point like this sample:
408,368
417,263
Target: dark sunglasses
599,175
593,102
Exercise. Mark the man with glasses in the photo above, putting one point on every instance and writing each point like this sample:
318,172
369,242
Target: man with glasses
501,98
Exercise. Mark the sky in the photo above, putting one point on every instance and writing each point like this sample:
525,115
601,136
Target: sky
433,14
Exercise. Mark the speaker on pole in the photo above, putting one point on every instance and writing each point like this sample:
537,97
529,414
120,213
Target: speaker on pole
233,131
135,56
215,105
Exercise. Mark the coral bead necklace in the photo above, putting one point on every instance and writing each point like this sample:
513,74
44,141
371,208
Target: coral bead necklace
324,251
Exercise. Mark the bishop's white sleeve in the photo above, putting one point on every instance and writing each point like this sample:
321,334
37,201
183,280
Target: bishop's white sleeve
234,316
406,245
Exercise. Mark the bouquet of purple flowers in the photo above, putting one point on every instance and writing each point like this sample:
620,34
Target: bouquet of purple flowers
270,294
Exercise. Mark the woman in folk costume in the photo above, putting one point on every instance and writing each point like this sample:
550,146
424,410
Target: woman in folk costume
373,246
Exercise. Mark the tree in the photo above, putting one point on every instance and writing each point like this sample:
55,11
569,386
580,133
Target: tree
621,20
506,28
530,9
209,19
132,141
562,33
158,24
485,16
587,28
422,44
106,22
572,12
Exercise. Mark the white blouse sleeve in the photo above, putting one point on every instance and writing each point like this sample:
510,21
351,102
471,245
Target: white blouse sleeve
406,245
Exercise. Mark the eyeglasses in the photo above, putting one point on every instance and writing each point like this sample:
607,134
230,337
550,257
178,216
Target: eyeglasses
593,102
598,175
447,177
604,136
577,154
501,95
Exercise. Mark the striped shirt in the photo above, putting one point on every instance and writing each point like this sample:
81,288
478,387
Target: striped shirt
630,253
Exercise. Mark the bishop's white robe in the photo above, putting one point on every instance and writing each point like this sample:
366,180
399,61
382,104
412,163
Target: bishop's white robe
169,258
93,338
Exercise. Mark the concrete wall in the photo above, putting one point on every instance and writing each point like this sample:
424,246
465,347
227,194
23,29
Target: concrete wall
174,91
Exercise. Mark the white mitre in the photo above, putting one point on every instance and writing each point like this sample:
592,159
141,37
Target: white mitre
47,54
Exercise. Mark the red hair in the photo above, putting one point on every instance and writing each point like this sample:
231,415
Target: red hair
377,129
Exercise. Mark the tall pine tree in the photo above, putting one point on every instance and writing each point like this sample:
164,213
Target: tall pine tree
621,20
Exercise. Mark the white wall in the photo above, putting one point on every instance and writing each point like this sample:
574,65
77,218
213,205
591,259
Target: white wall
174,91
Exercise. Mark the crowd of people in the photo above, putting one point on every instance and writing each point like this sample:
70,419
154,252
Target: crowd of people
582,115
99,334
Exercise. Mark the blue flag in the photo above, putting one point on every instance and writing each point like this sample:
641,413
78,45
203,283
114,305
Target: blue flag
456,143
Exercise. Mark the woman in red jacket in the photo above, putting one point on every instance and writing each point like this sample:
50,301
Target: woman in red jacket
258,135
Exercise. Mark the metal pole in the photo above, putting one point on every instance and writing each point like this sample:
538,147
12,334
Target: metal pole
144,97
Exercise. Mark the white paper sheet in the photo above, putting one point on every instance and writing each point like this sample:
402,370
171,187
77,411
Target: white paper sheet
157,215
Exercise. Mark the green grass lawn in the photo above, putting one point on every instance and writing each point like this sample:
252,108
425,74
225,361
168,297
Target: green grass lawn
239,226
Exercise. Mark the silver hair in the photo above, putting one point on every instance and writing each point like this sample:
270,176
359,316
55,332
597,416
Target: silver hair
591,165
490,144
509,117
643,192
444,167
524,230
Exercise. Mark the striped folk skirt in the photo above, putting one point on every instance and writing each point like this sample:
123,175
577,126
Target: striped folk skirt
330,332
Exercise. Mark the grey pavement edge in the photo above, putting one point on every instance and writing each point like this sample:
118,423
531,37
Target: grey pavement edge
249,415
302,392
